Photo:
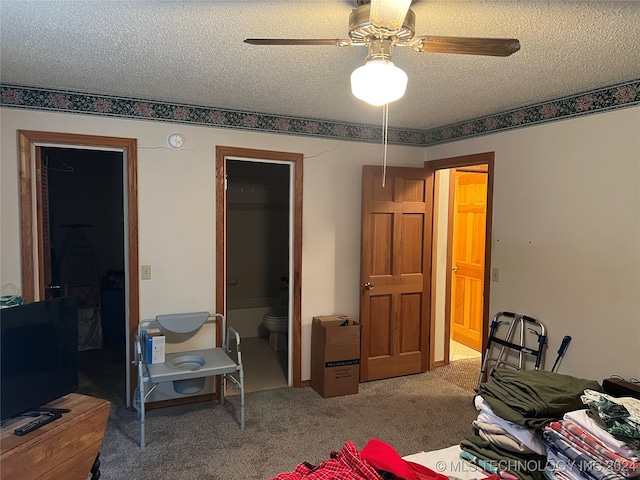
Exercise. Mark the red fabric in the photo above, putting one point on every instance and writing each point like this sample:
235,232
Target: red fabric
382,456
347,464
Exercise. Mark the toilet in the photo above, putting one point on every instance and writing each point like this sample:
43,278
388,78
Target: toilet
277,324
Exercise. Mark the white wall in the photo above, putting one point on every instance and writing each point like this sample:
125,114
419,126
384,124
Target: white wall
176,201
566,222
566,235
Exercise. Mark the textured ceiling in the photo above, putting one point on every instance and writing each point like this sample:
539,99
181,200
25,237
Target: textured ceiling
192,52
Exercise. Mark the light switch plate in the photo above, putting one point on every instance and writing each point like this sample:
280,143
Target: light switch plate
495,274
145,272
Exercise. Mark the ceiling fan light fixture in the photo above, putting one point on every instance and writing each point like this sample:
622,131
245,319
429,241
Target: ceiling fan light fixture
378,82
389,14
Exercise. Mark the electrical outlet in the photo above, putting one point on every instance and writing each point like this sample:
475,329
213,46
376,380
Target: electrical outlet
145,272
495,274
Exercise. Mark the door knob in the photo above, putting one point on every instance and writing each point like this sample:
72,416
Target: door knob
368,286
454,269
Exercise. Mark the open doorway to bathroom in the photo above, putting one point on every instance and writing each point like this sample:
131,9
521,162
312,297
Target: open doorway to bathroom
259,222
258,268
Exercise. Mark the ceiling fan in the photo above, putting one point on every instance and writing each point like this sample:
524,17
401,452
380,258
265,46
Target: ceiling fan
381,25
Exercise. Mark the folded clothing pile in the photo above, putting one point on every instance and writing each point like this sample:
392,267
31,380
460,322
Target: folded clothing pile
514,407
602,443
620,415
534,398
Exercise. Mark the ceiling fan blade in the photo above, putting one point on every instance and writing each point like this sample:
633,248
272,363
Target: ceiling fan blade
388,14
298,41
497,47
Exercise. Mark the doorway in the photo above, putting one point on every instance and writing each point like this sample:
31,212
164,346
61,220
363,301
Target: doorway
445,261
293,163
465,246
258,260
424,330
86,246
36,251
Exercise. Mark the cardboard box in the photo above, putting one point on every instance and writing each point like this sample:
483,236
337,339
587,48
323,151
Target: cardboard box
335,355
153,343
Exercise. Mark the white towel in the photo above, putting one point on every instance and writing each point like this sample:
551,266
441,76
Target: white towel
526,435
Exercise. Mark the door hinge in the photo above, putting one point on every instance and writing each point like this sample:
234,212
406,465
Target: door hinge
38,174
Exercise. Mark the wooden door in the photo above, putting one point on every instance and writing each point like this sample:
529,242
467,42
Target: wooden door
395,271
467,278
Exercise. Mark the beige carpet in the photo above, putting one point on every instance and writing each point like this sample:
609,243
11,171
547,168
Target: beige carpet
463,373
285,426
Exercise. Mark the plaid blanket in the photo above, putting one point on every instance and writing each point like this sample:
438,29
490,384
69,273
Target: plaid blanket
575,460
583,441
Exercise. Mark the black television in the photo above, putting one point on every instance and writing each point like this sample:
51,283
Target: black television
38,354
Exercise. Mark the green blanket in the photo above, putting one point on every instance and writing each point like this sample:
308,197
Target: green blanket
522,465
533,398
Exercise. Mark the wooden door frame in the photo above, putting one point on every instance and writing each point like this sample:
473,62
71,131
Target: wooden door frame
222,152
458,162
29,143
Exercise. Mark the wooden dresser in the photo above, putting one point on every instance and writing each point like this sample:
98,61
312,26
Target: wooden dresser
63,449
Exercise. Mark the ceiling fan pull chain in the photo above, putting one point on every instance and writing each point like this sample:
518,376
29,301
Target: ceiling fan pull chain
385,140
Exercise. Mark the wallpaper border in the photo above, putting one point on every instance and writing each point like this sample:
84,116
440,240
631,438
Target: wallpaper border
612,97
